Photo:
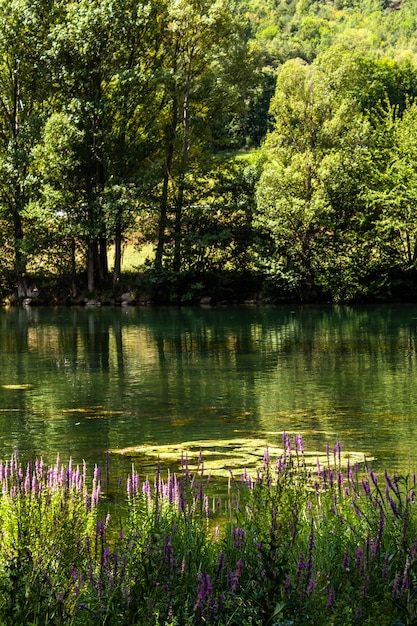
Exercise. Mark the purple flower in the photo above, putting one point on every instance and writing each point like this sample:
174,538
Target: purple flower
301,565
389,481
205,587
366,488
168,551
394,508
331,600
310,587
360,559
238,536
234,578
404,583
220,564
385,568
299,444
395,586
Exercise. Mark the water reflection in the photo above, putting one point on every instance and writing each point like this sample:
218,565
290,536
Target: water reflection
113,378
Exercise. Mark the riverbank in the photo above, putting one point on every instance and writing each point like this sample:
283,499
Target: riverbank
147,287
293,543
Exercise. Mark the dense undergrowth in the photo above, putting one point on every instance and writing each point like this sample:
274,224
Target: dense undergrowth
292,544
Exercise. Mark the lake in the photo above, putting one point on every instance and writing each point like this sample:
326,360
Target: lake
80,381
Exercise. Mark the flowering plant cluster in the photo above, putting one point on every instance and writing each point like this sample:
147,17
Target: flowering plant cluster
294,544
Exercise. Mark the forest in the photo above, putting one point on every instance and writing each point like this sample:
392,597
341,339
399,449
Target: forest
262,150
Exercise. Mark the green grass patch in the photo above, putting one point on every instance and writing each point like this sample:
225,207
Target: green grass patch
132,257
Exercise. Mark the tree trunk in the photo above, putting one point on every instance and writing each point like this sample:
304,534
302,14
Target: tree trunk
163,208
90,265
117,272
103,264
73,269
183,167
20,260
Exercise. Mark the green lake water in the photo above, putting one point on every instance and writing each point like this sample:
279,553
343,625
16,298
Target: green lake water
77,382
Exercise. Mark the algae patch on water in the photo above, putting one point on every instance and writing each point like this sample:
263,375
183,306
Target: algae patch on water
19,387
224,456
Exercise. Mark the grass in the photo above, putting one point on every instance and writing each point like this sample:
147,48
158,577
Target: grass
290,544
132,258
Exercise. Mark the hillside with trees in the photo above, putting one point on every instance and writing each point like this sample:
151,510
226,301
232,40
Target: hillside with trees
263,150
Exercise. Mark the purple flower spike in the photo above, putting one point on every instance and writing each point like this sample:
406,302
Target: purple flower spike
332,599
310,587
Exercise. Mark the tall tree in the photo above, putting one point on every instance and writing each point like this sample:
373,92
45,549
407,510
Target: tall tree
205,52
24,87
106,56
394,194
133,105
316,134
83,51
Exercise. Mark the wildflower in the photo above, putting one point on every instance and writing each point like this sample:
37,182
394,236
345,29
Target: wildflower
385,568
238,535
205,587
287,587
357,509
389,481
310,587
146,488
106,555
374,477
286,443
234,578
395,586
299,444
366,488
168,551
360,559
220,564
404,583
207,506
331,599
394,508
301,565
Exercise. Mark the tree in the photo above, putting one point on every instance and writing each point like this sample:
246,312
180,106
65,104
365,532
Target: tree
204,55
106,56
133,106
316,134
24,89
83,44
395,196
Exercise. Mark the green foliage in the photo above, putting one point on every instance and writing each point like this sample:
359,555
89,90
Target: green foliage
113,116
298,542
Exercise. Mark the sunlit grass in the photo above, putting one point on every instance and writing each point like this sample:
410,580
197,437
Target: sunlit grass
132,257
